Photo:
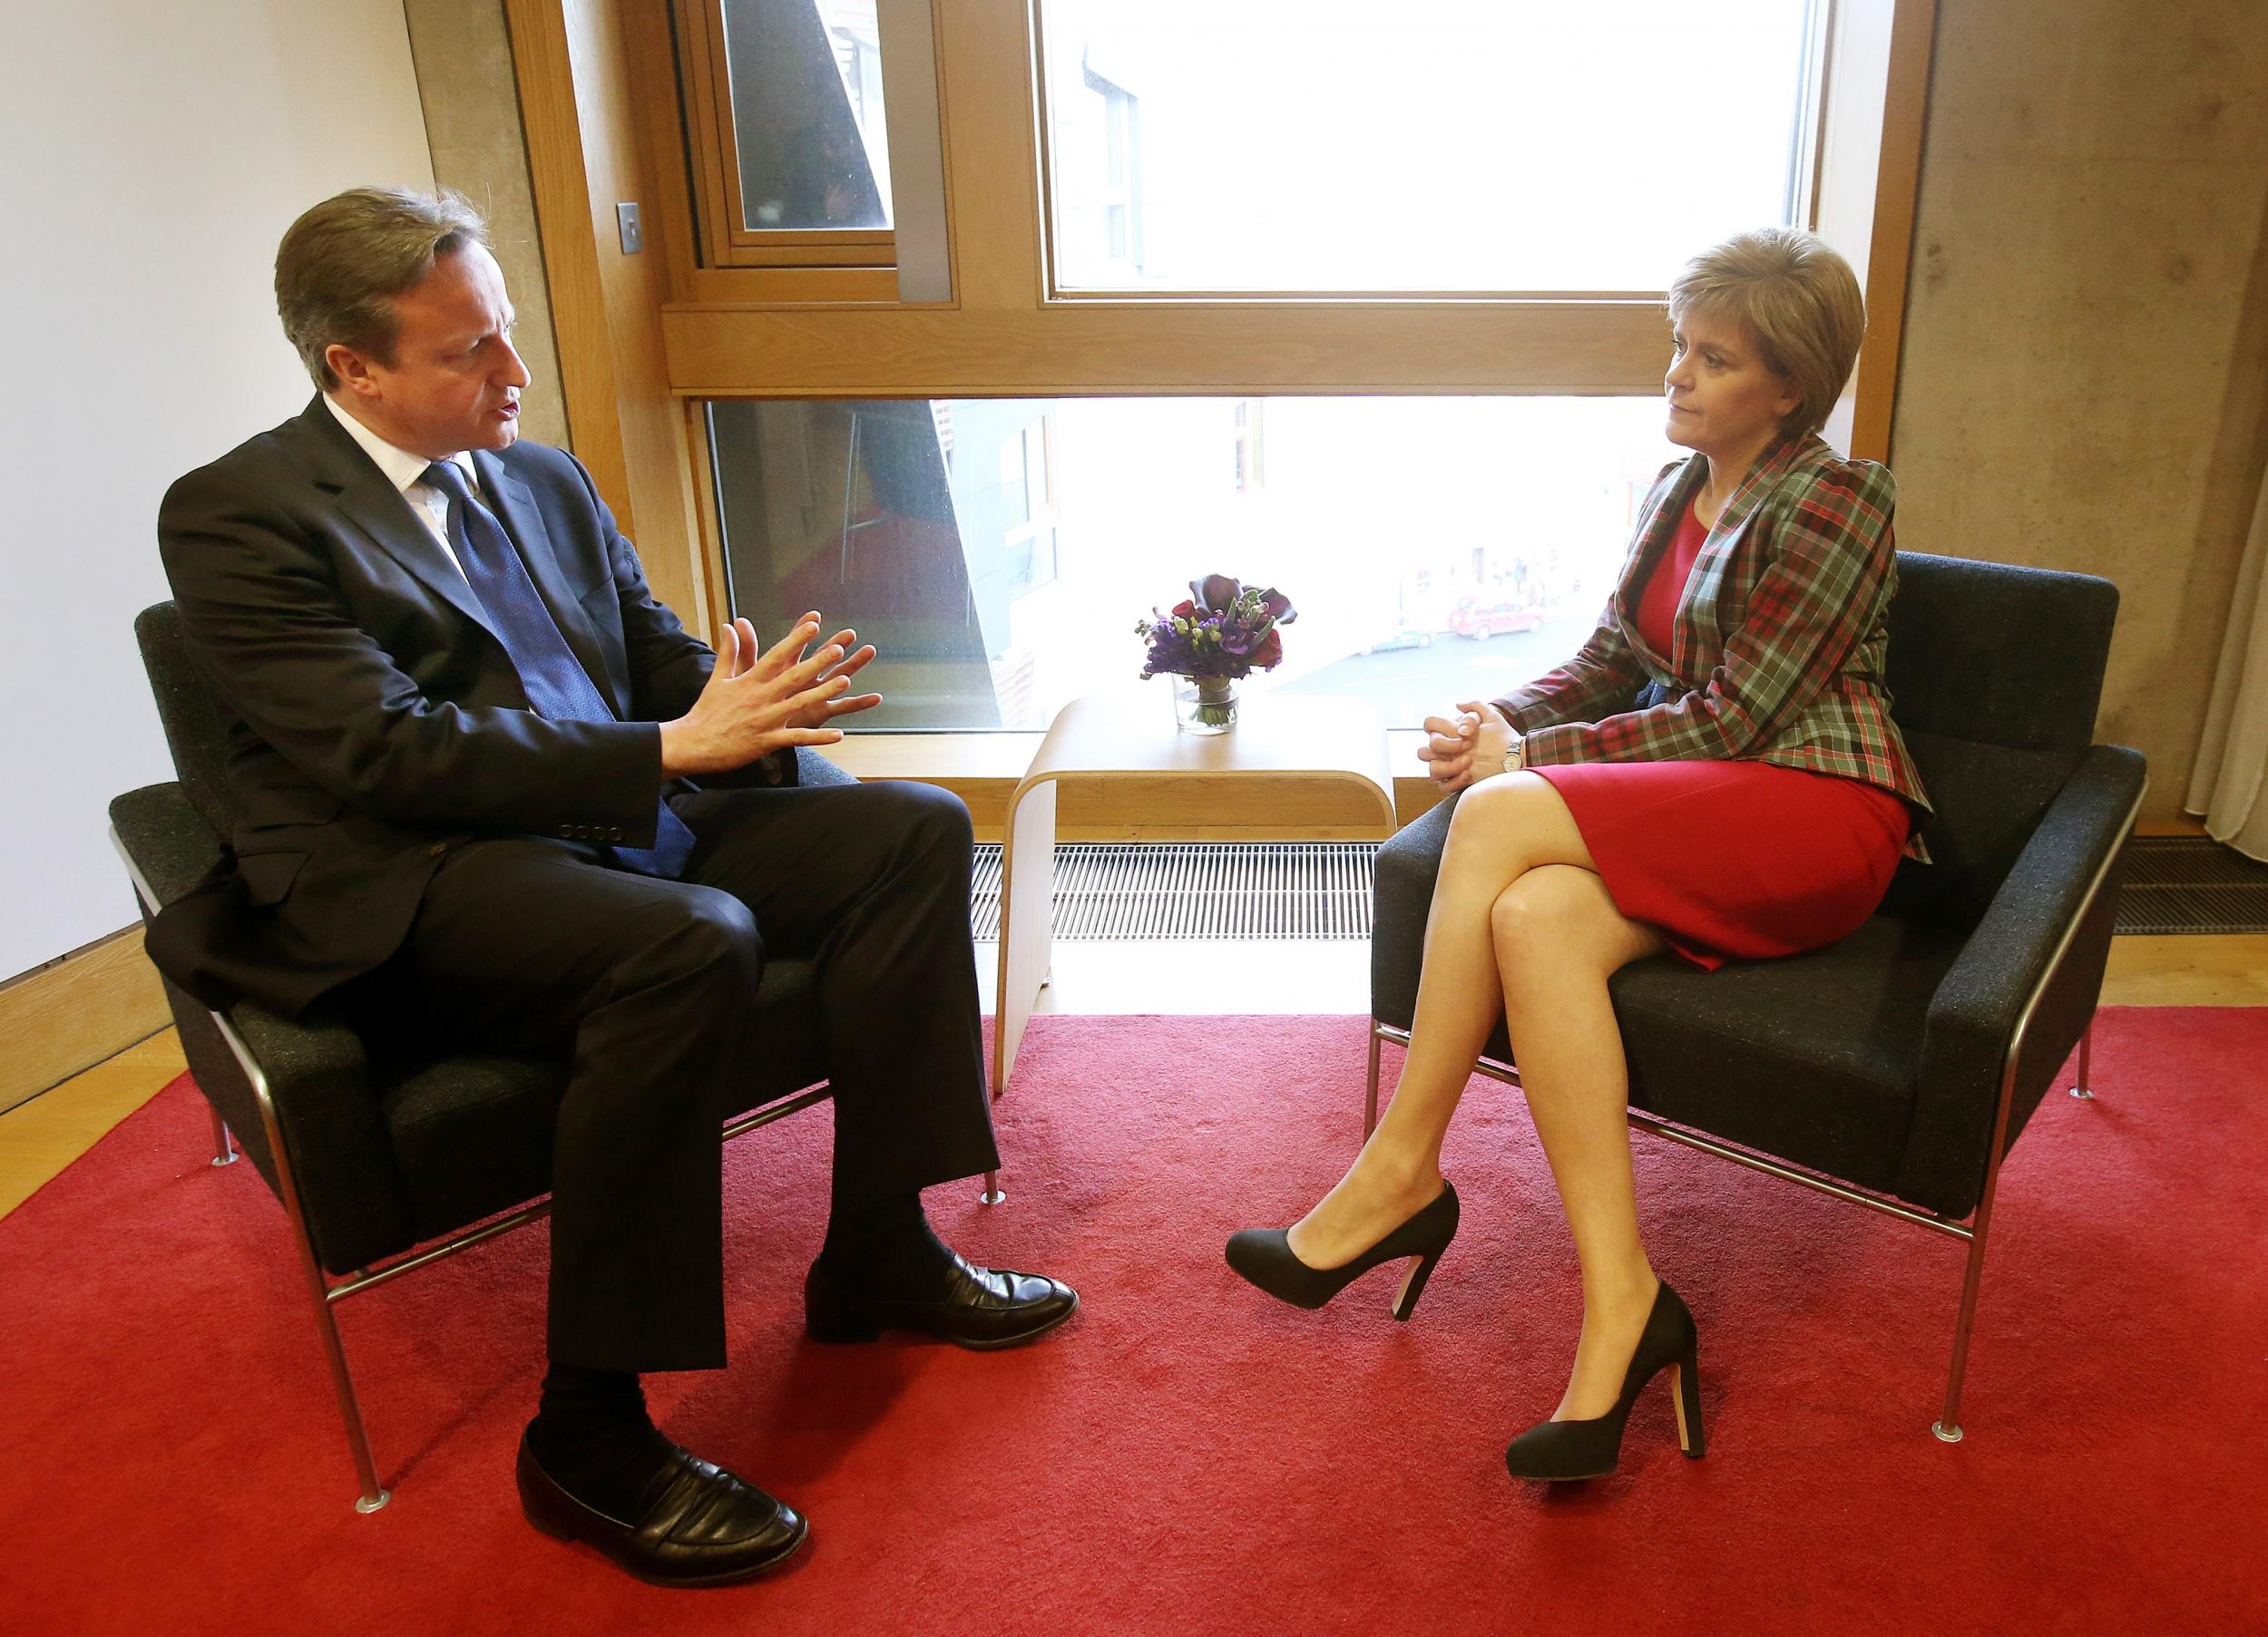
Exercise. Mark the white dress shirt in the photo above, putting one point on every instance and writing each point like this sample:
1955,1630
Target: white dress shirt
406,473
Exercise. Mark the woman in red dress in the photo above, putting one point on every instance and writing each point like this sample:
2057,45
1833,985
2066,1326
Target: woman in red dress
1715,776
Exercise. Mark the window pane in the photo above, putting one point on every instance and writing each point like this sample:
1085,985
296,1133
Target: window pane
1461,144
807,113
998,552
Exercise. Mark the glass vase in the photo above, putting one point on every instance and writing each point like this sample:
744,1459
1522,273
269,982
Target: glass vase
1205,705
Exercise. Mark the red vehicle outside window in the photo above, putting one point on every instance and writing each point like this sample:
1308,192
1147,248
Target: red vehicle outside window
1479,620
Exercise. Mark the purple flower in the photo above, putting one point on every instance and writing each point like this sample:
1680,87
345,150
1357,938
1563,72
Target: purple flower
1216,593
1226,629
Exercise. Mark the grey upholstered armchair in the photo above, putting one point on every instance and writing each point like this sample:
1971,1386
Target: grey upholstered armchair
385,1157
1896,1068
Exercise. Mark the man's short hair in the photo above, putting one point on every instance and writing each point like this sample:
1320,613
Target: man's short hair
343,263
1798,300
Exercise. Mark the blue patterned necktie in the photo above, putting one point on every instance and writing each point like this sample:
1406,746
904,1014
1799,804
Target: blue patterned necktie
551,676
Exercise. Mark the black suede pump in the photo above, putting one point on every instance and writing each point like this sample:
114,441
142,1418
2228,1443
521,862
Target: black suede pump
1264,1256
1563,1451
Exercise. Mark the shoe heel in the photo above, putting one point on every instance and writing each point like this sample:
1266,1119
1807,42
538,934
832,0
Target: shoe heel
1405,1300
1685,1381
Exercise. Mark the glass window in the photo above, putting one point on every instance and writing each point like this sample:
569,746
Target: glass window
805,78
1251,450
999,552
1457,145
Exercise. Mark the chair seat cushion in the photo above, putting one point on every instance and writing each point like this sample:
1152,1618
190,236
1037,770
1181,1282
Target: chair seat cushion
1812,1059
472,1133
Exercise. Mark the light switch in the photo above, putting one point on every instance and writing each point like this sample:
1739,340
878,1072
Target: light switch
634,230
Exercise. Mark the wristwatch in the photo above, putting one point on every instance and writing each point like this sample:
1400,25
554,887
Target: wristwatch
1516,757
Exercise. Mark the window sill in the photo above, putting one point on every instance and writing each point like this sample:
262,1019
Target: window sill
983,769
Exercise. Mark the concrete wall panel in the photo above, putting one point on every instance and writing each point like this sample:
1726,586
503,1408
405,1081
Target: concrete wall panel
2085,373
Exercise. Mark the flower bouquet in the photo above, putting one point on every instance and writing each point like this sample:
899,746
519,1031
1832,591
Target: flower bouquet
1219,634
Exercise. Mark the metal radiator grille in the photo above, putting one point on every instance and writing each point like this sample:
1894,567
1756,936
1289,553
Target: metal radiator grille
1196,890
1247,890
2185,884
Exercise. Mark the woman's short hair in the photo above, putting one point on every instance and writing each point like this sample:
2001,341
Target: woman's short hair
343,263
1798,300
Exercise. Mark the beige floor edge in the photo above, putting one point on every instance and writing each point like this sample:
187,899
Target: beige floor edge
40,1138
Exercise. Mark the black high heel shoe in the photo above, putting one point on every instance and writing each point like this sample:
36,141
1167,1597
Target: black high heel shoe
1264,1257
1561,1451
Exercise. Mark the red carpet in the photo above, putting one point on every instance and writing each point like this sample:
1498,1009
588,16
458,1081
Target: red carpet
1186,1456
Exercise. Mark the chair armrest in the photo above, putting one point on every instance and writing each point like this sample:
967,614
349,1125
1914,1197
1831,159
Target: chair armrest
165,840
812,769
315,1071
318,1079
808,768
1401,897
2065,881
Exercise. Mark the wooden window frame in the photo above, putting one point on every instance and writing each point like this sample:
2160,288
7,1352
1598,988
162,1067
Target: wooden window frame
808,331
612,111
705,85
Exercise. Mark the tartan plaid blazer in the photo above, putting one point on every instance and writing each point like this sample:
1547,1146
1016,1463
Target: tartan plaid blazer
1778,647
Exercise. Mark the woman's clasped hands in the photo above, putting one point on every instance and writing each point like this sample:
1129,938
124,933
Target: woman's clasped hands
1463,749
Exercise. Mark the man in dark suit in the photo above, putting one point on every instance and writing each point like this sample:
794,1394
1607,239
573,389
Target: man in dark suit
484,779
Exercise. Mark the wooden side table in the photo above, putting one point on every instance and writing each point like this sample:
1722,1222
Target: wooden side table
1327,756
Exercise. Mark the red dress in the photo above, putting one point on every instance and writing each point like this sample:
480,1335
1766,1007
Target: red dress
1731,858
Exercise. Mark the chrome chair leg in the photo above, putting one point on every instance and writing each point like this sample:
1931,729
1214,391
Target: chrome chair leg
1947,1427
374,1494
2084,1087
223,1150
994,1192
1370,1087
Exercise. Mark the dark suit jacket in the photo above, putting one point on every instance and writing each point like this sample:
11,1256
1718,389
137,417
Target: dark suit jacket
379,721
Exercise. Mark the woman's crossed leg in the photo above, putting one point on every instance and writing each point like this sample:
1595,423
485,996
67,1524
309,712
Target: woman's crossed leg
1520,926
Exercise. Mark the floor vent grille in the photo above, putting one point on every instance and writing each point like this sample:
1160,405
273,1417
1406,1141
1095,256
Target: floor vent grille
2191,884
1129,891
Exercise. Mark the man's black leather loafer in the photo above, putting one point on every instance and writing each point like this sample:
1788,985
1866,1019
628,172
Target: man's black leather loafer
984,1308
700,1525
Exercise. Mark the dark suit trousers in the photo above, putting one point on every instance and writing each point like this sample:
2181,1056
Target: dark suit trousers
648,986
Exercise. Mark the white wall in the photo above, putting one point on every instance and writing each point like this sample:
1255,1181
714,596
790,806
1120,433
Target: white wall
156,152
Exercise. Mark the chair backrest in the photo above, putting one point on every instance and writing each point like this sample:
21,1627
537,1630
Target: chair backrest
1995,675
196,728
